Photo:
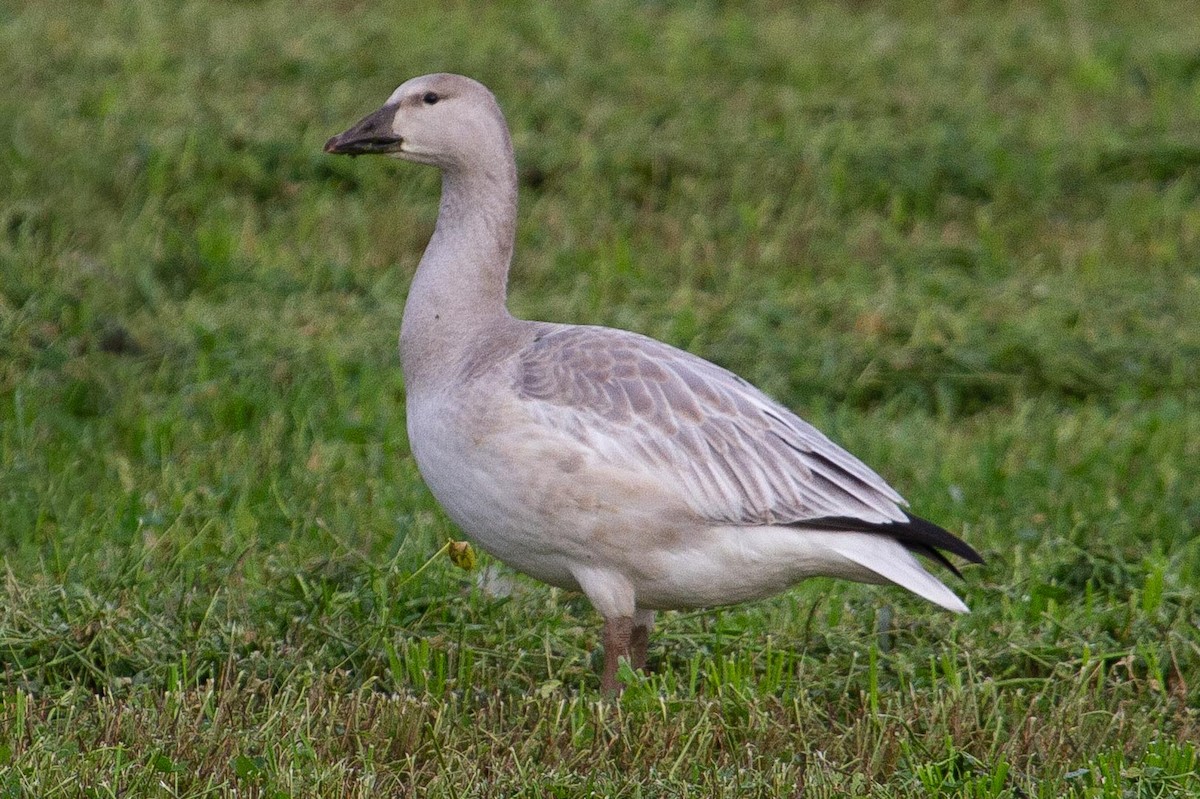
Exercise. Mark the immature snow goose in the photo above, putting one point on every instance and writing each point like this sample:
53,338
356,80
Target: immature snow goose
601,460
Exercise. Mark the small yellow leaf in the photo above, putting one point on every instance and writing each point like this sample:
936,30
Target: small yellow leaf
461,555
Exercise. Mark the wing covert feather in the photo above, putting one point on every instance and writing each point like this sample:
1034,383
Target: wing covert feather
738,456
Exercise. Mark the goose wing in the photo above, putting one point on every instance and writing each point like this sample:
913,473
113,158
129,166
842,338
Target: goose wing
736,456
739,457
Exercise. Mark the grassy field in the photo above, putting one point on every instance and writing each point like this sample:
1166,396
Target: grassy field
963,238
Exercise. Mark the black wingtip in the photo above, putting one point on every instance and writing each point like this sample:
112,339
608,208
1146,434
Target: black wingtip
942,538
917,535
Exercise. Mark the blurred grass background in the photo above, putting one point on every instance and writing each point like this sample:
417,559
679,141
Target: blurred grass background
963,238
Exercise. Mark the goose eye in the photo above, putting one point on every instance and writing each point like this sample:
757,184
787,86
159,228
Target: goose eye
430,98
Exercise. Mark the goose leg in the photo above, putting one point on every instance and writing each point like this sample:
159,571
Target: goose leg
617,634
639,639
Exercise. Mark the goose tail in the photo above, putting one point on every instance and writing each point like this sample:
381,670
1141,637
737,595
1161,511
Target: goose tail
886,549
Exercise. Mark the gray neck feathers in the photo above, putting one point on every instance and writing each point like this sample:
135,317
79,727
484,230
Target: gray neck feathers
459,290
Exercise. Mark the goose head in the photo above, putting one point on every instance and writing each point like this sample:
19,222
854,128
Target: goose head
444,120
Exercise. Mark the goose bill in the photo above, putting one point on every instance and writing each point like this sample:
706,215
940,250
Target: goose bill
371,135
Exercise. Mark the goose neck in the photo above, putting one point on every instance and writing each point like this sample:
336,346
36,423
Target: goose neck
459,290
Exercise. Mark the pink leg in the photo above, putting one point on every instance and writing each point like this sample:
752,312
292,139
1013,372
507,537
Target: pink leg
617,634
639,640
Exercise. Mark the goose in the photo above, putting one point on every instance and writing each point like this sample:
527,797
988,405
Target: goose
599,460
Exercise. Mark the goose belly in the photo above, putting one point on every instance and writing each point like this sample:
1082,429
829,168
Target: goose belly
540,503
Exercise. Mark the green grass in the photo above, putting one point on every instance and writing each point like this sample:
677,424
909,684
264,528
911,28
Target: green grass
964,240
